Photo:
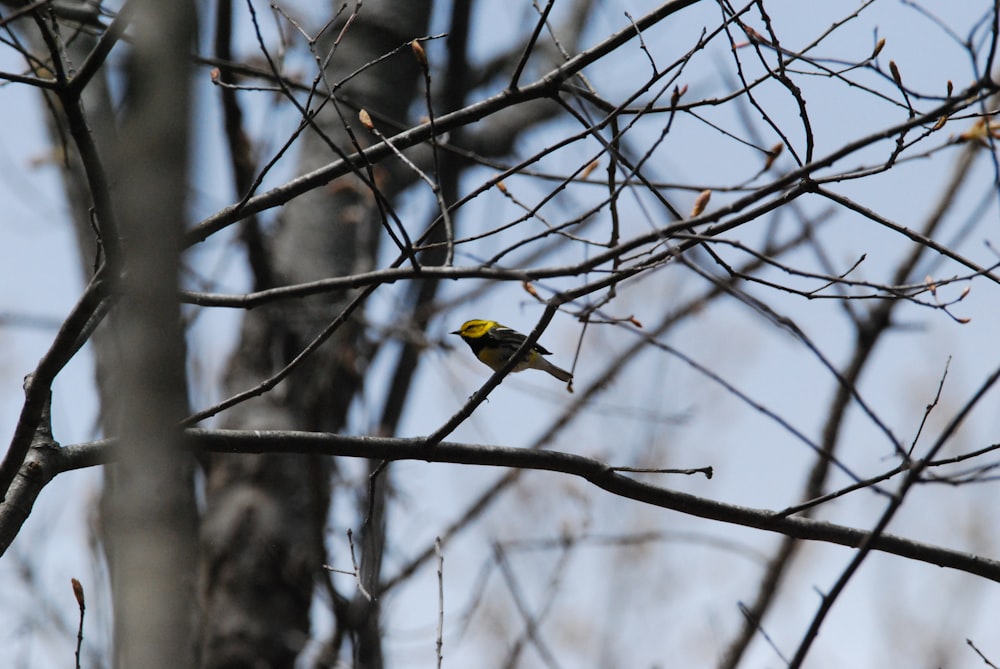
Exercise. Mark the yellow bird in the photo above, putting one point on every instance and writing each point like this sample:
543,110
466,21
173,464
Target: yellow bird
494,344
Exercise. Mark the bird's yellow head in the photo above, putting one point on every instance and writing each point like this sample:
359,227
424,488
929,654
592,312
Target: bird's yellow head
474,329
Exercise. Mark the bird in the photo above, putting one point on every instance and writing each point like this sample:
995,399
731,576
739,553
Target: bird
494,344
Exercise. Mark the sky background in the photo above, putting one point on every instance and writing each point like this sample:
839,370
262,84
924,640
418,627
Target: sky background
679,600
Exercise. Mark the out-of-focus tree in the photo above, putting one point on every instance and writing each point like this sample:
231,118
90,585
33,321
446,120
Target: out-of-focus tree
759,234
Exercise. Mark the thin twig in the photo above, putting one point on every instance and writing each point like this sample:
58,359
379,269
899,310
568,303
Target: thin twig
440,579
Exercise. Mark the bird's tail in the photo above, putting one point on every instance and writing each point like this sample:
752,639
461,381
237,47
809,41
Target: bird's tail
541,363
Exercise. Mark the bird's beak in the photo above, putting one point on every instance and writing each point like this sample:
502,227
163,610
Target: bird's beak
458,332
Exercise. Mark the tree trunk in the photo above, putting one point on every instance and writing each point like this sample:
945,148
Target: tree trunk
263,530
153,518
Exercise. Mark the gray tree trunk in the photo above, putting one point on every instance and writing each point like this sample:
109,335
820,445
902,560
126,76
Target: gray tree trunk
264,526
153,517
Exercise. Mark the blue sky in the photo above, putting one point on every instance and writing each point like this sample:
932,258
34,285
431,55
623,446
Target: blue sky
678,595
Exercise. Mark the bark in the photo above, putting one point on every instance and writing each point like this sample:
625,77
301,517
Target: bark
152,521
262,534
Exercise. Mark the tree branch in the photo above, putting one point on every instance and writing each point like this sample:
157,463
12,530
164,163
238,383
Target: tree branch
598,473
